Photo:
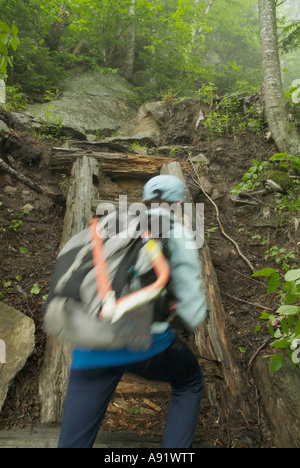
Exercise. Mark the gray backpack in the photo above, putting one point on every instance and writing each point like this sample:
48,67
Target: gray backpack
104,287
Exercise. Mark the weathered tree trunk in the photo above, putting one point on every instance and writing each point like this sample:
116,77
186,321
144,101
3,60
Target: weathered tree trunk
285,136
225,383
114,164
57,358
53,39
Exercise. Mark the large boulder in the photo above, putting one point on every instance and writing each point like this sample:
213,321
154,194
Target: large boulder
145,127
17,335
91,103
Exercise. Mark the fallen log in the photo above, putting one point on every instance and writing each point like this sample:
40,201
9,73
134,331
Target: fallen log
225,383
112,164
57,357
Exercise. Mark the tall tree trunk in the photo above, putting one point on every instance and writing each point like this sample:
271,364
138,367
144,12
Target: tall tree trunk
199,30
128,64
284,135
2,92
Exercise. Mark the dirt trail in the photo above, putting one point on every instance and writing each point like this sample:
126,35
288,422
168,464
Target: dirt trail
137,406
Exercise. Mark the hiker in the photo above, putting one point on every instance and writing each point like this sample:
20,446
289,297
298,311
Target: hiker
95,373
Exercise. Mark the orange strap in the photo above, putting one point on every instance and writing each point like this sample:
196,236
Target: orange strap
159,262
102,276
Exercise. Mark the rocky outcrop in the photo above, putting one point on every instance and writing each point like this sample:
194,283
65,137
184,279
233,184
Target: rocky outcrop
145,128
91,103
17,335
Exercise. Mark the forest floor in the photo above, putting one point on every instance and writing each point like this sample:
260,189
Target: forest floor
140,407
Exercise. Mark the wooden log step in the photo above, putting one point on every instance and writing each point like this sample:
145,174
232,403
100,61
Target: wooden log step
113,164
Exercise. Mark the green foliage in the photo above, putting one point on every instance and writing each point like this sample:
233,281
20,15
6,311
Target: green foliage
252,178
290,36
16,223
284,324
287,161
36,69
16,101
35,290
8,39
280,255
207,93
176,45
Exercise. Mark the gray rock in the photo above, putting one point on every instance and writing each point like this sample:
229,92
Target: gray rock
91,102
145,127
4,129
17,332
148,137
10,190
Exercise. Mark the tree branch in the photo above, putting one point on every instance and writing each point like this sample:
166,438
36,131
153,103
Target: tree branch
56,198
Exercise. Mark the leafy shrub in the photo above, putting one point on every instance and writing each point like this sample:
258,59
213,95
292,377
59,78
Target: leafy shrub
36,70
284,324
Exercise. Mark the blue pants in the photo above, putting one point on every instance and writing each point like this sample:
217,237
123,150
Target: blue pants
90,391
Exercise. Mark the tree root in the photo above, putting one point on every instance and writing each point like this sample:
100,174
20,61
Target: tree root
198,183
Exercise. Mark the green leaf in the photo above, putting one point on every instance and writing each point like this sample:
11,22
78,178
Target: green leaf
276,363
281,344
3,65
242,350
134,410
273,283
285,327
297,328
14,43
271,330
264,272
265,316
14,29
293,275
278,156
35,289
3,48
288,310
5,27
23,250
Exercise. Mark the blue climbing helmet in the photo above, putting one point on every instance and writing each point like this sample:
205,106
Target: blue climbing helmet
168,187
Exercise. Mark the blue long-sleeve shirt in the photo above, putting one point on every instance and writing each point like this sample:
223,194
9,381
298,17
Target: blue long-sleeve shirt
191,306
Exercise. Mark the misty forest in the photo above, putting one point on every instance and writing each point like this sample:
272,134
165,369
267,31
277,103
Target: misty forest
97,97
